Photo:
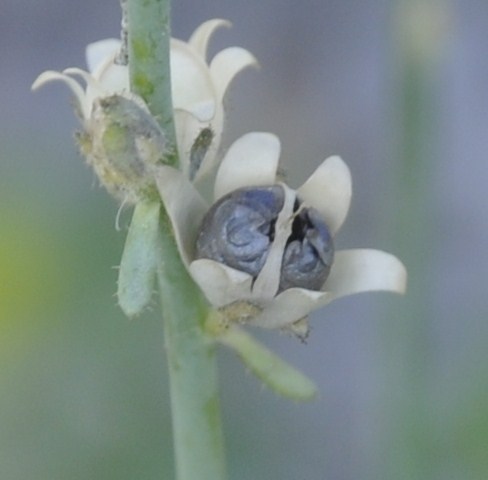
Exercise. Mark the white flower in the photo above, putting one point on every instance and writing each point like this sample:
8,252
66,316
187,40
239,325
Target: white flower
252,161
198,89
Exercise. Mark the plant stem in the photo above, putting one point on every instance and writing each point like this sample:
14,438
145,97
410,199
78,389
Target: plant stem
193,378
149,62
198,440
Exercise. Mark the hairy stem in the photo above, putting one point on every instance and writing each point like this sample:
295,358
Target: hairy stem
198,441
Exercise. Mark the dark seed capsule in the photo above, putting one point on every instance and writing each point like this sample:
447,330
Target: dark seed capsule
239,230
309,252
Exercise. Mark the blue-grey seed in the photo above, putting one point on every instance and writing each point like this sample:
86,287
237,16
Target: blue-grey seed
239,229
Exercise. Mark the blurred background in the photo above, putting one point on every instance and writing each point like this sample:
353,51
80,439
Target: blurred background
398,89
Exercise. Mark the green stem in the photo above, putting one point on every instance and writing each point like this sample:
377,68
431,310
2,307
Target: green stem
193,379
149,62
198,440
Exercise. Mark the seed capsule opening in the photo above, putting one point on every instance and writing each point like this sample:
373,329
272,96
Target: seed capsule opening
239,230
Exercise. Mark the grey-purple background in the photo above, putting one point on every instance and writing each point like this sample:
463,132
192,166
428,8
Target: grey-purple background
83,390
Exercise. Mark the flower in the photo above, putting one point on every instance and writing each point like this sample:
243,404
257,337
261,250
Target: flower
198,87
256,227
252,161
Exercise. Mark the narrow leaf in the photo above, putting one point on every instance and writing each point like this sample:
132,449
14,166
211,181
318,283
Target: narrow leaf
274,372
137,271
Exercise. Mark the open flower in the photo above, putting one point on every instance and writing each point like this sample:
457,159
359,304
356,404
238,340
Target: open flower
261,296
198,87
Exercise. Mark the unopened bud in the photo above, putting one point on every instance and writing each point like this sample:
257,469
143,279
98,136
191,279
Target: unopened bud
123,141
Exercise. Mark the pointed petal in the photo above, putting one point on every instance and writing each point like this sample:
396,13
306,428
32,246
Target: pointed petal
113,78
184,206
216,125
93,90
96,53
211,157
252,160
365,270
75,87
329,191
221,285
227,64
88,79
200,37
268,281
191,82
51,75
289,306
187,128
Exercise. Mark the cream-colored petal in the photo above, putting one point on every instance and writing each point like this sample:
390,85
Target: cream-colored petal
365,270
212,154
184,206
204,111
85,76
191,82
97,53
252,160
216,124
268,281
227,64
75,87
201,36
221,284
93,89
329,191
188,127
290,306
114,78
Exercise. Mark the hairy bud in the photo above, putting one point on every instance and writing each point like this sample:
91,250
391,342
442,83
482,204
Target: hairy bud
122,141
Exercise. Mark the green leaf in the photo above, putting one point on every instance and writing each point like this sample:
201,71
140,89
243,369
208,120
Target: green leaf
137,271
274,372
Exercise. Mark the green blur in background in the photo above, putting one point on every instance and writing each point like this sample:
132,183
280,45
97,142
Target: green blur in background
404,381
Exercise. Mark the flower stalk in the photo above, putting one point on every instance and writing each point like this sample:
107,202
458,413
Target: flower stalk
197,431
197,428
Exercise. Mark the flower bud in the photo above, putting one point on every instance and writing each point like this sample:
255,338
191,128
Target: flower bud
122,141
239,230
